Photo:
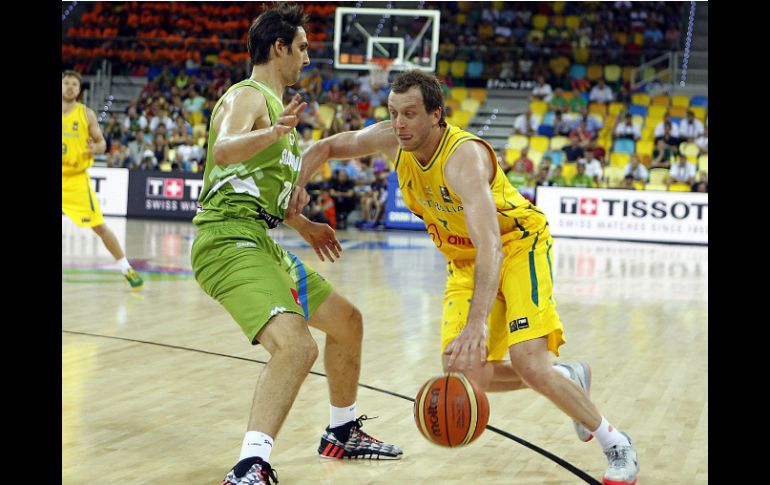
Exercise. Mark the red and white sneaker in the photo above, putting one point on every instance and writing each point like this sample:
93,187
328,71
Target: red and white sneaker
349,442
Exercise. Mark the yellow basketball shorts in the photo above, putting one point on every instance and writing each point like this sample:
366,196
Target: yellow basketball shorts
524,308
78,200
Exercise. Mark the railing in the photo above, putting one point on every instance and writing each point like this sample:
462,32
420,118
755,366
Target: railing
640,79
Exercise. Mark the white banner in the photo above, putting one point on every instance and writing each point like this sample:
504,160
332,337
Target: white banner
632,215
111,187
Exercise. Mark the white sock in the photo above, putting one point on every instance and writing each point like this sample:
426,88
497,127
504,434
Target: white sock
561,370
125,266
256,444
608,436
340,416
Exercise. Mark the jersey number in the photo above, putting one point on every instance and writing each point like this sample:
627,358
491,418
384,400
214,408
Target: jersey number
283,197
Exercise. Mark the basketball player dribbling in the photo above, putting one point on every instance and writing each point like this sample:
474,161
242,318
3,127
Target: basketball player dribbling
498,298
81,139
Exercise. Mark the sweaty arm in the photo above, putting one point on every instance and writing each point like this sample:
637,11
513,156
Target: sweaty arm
243,110
468,173
376,138
99,143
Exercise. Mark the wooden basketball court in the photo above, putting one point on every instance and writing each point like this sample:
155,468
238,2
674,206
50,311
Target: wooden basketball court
157,385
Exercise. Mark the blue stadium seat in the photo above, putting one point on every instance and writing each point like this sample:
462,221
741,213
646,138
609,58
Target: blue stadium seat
548,118
638,109
545,130
475,69
557,157
699,101
577,71
624,145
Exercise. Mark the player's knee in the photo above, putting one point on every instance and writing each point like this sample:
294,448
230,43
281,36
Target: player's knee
305,352
100,230
535,377
355,324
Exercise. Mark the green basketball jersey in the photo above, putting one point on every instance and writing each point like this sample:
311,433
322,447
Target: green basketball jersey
259,184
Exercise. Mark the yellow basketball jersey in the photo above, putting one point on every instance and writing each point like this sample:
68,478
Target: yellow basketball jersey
427,194
74,141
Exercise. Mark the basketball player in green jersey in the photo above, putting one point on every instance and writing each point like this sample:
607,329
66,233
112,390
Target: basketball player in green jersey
252,165
81,139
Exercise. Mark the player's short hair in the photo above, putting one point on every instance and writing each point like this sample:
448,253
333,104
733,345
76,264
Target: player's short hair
76,75
279,22
429,85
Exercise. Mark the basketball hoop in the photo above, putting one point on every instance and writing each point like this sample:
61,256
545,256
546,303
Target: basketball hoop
379,68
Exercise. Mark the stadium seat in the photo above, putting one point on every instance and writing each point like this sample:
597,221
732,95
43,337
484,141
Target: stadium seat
545,130
661,100
539,143
689,149
581,55
518,141
638,185
318,132
642,99
612,73
644,147
325,115
458,93
699,101
648,133
478,93
628,74
539,22
595,72
679,187
624,145
559,142
682,100
616,108
381,113
599,109
677,112
638,109
652,120
658,187
511,154
577,72
461,118
618,159
475,68
557,157
452,103
613,176
638,120
535,156
699,112
659,175
656,110
196,118
443,68
538,107
470,104
703,162
568,170
457,68
558,21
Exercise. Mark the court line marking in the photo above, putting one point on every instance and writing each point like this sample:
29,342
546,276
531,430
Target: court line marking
560,461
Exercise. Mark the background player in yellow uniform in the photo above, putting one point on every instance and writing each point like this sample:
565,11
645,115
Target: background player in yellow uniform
498,298
81,139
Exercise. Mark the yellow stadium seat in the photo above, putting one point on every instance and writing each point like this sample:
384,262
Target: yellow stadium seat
462,117
616,108
679,187
452,103
539,143
699,112
558,7
658,175
539,21
612,73
538,117
325,115
661,100
518,141
201,141
619,159
458,93
648,133
656,110
652,121
568,169
648,73
559,142
536,156
603,141
628,74
682,100
558,21
458,68
692,159
644,147
613,176
572,22
594,72
165,167
538,107
640,98
568,95
677,111
317,133
478,93
652,186
638,185
196,118
171,157
443,67
559,65
689,149
199,130
381,113
638,120
511,154
598,109
638,38
470,104
581,55
703,162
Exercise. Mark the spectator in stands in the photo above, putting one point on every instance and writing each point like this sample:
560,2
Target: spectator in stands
624,95
627,129
573,151
518,175
581,179
628,183
561,126
558,101
149,161
582,133
593,166
160,148
161,117
702,184
577,102
669,135
556,179
343,193
373,202
507,67
542,90
690,128
636,170
529,166
526,124
118,156
601,93
194,102
525,67
593,122
542,177
682,171
599,152
653,34
661,155
703,141
306,140
660,127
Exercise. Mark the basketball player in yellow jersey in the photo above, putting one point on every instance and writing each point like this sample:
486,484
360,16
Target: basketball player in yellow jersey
498,297
81,139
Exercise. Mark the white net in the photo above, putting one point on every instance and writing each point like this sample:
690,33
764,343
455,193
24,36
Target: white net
379,69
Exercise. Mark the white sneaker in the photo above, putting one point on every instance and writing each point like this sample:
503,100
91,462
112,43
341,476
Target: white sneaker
623,464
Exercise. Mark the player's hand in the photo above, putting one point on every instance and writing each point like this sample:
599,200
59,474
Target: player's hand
89,151
290,116
469,348
323,240
299,199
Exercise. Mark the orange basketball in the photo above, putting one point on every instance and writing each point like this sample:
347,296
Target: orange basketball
450,411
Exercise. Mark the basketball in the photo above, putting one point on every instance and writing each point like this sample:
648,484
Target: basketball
450,410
